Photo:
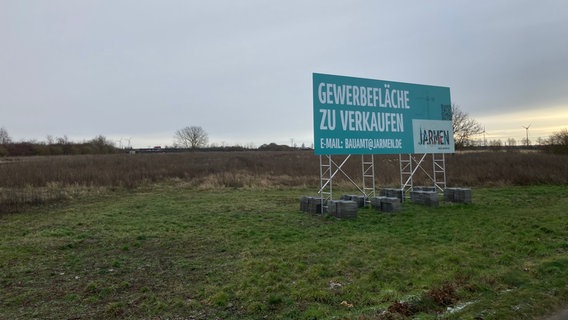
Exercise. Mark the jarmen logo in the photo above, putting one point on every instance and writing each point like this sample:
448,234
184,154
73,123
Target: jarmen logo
434,137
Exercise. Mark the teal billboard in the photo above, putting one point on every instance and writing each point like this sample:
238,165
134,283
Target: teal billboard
365,116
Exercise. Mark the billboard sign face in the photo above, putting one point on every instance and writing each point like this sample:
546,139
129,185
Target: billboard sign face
365,116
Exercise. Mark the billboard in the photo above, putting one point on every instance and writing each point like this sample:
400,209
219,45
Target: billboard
365,116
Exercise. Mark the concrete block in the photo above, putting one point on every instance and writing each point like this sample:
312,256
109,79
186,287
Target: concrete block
462,195
392,192
354,197
343,209
304,203
429,198
315,205
386,204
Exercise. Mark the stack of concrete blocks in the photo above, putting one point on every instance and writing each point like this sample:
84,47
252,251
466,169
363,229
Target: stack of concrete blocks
461,195
312,204
429,198
392,193
386,204
342,209
359,199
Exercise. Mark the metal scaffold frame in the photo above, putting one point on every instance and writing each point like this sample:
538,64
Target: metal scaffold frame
411,163
329,169
439,170
326,179
368,173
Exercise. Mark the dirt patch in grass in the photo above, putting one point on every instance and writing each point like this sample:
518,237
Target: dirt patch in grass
435,300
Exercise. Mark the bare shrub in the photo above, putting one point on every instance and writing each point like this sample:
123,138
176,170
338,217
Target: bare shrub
19,177
294,168
506,168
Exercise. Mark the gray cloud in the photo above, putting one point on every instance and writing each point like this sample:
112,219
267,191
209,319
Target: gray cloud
242,70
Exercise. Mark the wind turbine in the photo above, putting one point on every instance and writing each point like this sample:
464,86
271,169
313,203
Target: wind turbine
527,130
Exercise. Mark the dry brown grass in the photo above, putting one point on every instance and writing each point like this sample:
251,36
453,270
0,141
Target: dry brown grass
35,180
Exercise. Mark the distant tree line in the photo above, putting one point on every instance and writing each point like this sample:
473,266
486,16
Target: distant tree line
275,147
54,146
465,128
195,139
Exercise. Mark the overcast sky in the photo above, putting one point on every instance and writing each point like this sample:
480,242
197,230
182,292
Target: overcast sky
242,70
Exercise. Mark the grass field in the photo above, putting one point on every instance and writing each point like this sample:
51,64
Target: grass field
173,251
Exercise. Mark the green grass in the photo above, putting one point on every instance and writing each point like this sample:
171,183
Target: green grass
176,253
